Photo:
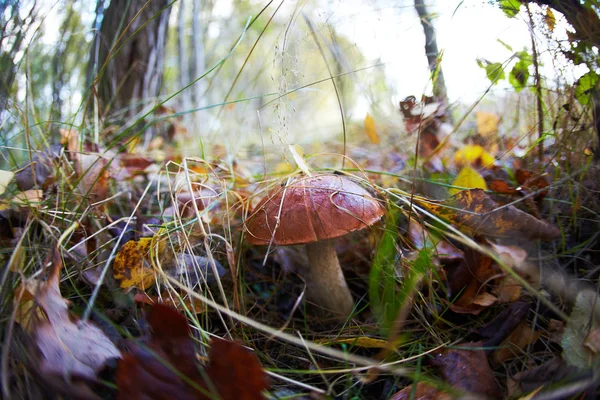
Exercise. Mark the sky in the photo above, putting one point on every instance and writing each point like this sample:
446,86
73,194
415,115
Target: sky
466,30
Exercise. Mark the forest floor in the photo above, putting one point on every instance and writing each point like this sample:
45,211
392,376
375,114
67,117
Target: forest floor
479,277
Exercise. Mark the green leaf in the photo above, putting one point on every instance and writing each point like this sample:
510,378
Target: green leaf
510,7
583,319
494,71
584,86
519,74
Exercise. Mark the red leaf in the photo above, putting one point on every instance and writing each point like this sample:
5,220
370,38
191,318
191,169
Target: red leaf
165,367
235,371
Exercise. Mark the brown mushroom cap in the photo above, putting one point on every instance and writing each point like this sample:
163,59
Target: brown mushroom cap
311,209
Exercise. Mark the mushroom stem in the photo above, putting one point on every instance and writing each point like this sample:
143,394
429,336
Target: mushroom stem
326,286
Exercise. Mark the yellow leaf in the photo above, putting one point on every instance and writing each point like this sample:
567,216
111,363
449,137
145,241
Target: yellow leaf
468,178
5,178
371,130
360,341
550,19
133,263
487,123
473,155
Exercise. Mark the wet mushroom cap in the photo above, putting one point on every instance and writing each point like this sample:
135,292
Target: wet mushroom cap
311,209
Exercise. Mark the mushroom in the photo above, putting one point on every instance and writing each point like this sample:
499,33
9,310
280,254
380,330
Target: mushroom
313,211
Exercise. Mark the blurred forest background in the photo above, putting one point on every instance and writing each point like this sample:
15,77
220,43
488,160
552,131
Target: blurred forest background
237,73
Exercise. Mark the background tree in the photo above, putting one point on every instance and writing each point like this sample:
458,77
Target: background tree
432,52
16,20
128,57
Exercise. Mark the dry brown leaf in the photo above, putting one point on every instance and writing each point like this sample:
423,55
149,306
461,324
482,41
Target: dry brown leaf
467,369
513,345
475,211
423,391
508,290
68,348
92,172
182,305
31,197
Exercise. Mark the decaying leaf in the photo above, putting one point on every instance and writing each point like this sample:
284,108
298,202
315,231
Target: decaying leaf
165,366
423,391
371,130
584,318
469,279
40,172
475,211
132,265
68,348
468,178
467,369
514,344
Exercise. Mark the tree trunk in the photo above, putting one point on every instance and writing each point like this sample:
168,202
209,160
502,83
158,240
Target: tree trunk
14,27
199,63
183,60
130,64
432,53
586,22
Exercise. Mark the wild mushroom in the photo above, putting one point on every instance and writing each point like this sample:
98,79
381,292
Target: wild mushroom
312,211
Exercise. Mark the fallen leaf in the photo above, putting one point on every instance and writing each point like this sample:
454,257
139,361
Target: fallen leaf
513,345
549,373
181,304
500,186
586,311
487,123
508,289
40,172
421,238
359,341
133,265
467,178
165,367
28,198
68,348
371,130
235,371
423,391
467,369
485,299
532,182
70,139
475,211
469,280
497,330
5,178
92,172
474,155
